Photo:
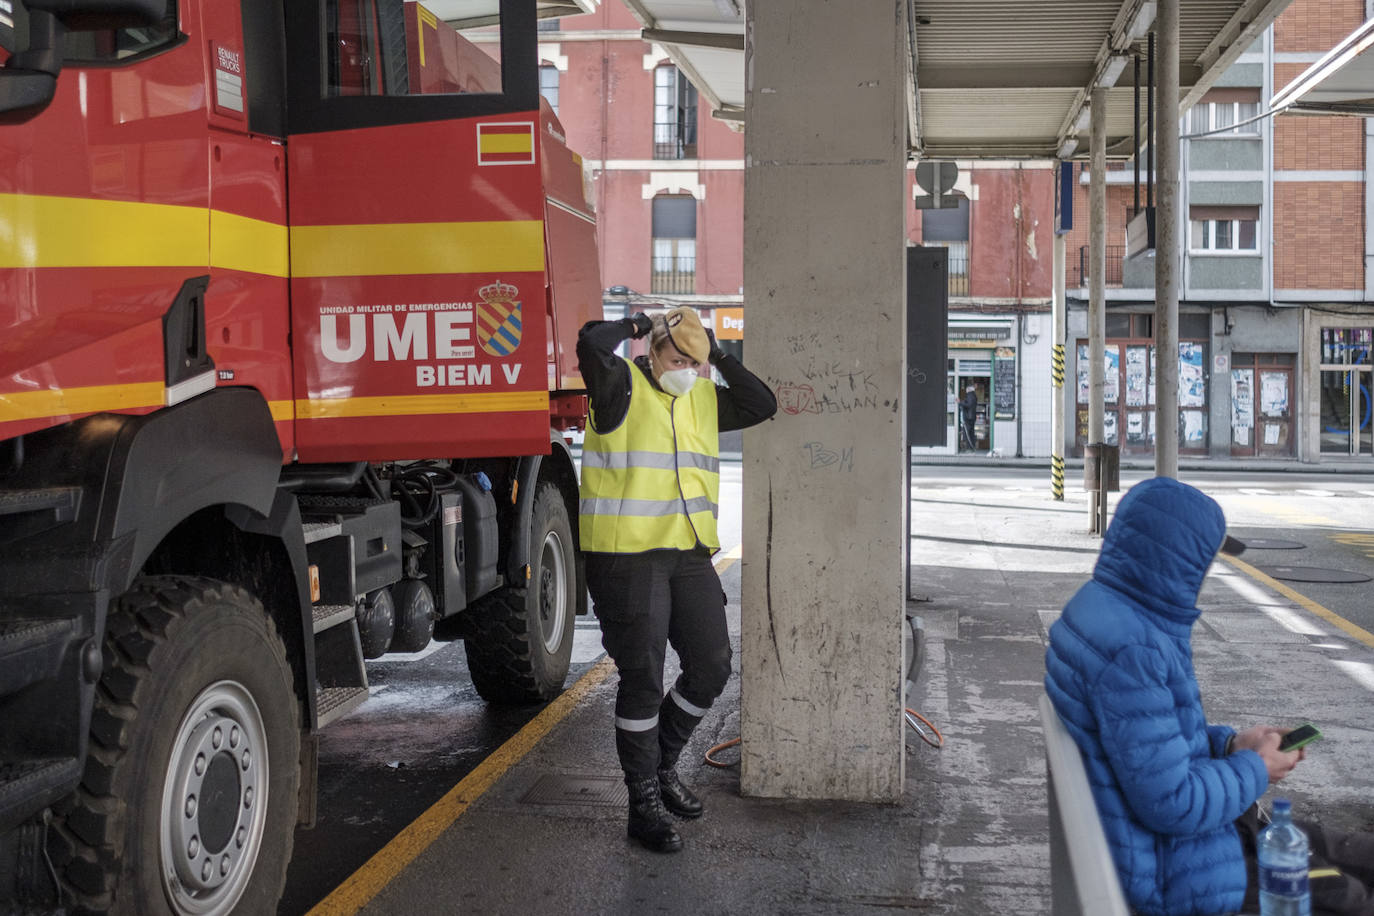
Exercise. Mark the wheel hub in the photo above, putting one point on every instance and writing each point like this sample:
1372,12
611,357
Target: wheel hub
214,804
553,598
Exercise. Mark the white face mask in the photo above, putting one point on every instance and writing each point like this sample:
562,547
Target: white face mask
677,382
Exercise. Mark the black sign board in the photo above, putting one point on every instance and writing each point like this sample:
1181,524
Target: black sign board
1004,384
927,323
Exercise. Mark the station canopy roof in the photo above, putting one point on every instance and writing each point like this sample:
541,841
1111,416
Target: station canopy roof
469,14
992,79
1342,82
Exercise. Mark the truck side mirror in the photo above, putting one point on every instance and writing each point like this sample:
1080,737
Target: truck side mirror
28,80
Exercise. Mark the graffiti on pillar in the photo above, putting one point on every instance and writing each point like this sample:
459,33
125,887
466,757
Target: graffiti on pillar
823,457
797,399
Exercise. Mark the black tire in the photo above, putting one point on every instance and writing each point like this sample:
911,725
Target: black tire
522,641
195,708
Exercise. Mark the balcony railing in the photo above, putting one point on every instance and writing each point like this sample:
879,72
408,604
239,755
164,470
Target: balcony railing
1116,255
958,276
681,282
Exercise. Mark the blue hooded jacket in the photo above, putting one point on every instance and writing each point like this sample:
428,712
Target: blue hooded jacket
1119,671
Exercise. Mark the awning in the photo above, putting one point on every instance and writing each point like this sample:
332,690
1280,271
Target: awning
991,79
1342,82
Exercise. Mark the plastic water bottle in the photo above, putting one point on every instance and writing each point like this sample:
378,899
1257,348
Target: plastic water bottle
1283,866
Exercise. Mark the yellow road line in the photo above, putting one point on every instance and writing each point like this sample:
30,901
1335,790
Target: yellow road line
1331,617
369,880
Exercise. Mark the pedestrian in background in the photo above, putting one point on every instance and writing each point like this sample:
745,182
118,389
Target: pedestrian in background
1177,795
968,415
649,503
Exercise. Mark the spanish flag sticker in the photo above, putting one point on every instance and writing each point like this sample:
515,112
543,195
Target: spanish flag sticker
508,143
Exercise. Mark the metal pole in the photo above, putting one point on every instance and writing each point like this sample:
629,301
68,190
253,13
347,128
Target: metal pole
1057,321
1097,275
1150,125
1135,132
1167,248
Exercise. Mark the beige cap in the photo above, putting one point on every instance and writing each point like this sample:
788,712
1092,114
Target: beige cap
683,329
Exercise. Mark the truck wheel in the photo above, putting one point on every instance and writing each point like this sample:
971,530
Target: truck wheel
523,637
188,803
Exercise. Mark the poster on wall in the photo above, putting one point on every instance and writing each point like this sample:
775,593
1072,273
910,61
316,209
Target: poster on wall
1083,374
1111,380
1136,377
1152,382
1135,428
1242,402
1194,428
1274,394
1109,430
1192,388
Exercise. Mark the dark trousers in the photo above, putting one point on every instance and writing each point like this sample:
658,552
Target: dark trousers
1341,876
645,602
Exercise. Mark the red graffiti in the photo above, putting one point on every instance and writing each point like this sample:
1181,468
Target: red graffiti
795,399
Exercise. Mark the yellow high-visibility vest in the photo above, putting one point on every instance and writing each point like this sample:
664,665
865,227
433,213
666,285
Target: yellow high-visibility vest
654,480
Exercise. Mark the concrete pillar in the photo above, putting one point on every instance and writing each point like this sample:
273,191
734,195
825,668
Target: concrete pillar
1167,245
1097,286
825,497
1058,313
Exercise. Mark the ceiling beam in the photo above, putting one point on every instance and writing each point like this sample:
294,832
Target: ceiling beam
726,41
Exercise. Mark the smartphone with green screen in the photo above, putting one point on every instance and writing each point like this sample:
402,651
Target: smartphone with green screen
1301,736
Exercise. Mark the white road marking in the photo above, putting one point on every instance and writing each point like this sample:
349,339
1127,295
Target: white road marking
1318,493
1278,611
1361,673
1256,491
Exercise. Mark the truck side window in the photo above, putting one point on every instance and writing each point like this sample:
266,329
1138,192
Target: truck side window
399,47
106,46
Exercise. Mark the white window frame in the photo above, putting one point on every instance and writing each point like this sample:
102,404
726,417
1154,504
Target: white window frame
1239,111
1208,244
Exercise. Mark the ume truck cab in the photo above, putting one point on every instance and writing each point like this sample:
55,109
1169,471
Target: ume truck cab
288,299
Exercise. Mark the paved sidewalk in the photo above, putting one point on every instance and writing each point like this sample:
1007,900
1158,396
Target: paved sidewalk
992,568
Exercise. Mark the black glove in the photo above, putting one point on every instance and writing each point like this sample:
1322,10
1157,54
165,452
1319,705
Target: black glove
643,324
715,352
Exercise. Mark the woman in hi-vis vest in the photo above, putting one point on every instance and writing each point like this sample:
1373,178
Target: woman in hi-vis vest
649,501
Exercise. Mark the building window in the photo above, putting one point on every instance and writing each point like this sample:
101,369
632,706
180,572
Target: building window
1226,110
549,25
948,228
548,83
1223,229
675,114
674,245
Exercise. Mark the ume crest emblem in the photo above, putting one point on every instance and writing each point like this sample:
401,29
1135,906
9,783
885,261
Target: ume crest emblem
498,318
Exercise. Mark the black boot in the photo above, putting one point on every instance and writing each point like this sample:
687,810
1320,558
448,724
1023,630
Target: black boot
677,798
649,823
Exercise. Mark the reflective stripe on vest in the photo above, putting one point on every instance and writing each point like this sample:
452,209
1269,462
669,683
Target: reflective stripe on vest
654,481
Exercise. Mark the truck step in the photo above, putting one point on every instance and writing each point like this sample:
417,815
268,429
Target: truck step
29,786
32,650
321,531
335,702
331,615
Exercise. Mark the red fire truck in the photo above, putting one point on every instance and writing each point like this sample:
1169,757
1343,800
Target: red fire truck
288,299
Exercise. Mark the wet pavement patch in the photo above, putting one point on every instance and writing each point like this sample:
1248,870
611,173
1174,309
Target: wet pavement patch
561,789
1271,544
1313,574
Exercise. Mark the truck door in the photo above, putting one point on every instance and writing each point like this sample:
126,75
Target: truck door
416,230
247,303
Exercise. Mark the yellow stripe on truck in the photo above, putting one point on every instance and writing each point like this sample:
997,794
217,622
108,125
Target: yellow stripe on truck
71,402
495,247
410,405
37,231
250,245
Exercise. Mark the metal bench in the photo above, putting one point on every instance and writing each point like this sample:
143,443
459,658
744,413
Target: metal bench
1083,879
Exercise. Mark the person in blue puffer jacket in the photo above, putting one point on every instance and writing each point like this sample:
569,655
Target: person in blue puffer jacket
1169,786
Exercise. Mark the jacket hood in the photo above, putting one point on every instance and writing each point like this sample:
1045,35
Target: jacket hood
1159,545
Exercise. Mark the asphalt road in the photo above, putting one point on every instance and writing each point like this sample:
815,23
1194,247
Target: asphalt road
425,728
